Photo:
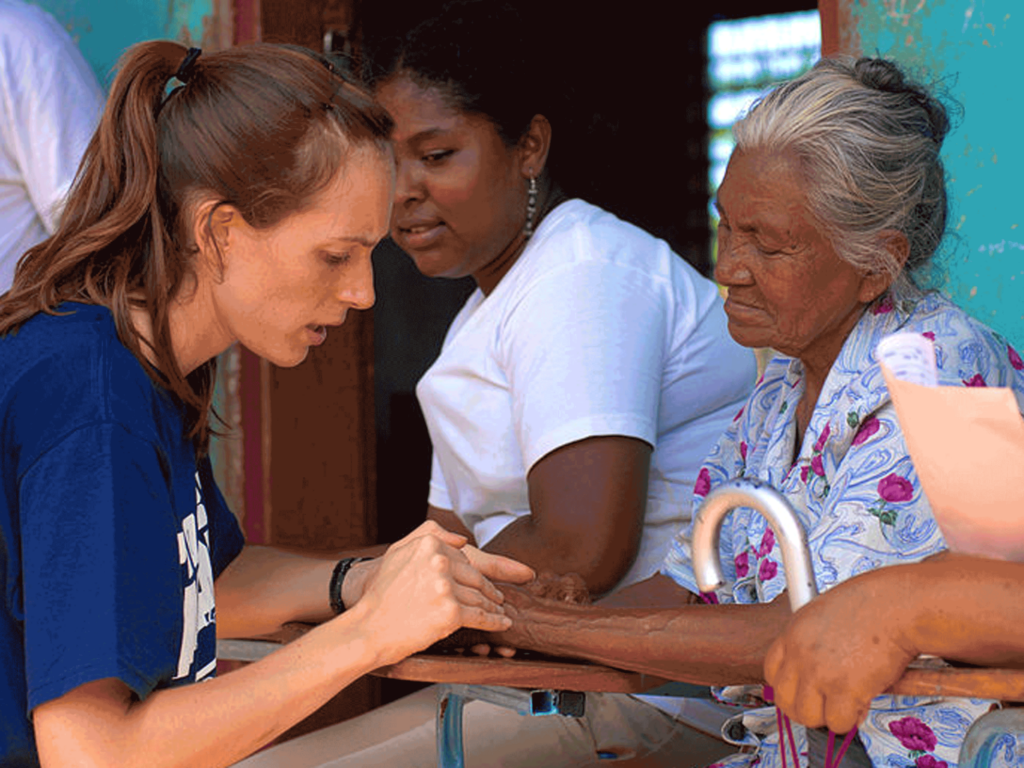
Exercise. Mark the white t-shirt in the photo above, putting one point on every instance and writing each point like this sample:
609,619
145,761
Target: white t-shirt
597,329
50,104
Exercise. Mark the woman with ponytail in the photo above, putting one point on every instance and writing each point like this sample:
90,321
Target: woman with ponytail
240,206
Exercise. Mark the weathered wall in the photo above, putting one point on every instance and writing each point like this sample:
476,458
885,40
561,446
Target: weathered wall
974,51
104,30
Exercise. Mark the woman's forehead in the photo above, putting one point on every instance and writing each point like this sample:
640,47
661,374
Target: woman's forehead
762,185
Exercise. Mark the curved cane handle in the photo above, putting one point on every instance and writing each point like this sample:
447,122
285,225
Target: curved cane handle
750,492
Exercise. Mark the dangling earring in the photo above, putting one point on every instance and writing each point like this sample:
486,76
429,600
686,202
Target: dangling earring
531,207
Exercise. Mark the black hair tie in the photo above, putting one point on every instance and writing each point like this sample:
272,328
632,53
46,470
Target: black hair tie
184,72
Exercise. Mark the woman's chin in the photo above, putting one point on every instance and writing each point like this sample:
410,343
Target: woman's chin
431,265
288,358
747,336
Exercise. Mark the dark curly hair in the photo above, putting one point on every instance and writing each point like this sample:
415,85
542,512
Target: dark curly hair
478,55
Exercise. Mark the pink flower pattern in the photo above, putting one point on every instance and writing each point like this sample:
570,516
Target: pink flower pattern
743,450
883,307
867,429
1015,361
822,438
817,467
742,564
703,484
894,488
913,734
767,542
767,570
929,761
977,380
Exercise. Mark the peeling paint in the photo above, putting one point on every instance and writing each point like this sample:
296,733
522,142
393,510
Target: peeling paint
957,45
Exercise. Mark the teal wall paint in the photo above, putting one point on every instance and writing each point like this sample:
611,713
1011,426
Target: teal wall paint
103,30
974,51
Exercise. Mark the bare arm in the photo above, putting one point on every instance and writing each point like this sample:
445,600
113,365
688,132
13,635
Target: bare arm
849,645
706,644
265,587
423,589
587,502
214,723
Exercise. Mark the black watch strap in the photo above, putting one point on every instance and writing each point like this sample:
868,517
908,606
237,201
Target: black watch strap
338,578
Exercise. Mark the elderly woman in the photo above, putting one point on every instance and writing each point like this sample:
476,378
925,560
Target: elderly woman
833,200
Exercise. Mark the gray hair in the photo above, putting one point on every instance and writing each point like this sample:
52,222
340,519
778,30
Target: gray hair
868,142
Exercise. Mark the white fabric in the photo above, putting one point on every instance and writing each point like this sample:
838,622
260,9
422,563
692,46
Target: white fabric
49,107
598,329
402,734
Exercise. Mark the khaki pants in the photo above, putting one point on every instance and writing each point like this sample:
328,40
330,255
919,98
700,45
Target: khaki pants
402,735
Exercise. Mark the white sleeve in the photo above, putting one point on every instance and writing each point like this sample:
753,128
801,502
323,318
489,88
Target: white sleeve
53,103
438,495
583,350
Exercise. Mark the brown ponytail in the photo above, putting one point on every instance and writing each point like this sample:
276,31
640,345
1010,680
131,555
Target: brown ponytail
263,128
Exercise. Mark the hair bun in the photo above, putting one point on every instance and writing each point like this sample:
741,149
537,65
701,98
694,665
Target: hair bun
881,75
885,76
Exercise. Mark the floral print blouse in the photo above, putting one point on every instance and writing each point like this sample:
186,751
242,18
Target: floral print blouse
857,494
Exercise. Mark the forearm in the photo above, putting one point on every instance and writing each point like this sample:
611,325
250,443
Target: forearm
705,644
958,607
266,587
587,502
214,723
528,541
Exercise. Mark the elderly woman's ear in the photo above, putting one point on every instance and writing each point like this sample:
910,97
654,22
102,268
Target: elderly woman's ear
876,282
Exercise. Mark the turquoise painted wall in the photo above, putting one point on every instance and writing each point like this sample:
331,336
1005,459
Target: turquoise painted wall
974,51
103,30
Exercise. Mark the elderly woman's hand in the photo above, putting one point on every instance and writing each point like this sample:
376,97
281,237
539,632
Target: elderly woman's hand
840,651
564,588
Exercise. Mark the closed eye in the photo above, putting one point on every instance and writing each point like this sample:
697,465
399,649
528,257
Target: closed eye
771,250
336,259
433,158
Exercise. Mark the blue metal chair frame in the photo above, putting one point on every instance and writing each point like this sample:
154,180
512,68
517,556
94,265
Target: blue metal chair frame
451,698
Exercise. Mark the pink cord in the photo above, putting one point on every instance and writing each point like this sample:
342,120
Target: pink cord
786,730
779,717
847,740
792,741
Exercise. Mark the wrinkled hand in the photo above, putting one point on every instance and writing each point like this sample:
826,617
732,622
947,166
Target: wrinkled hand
424,588
837,653
564,588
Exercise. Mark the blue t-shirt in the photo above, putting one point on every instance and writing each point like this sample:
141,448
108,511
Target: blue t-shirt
111,531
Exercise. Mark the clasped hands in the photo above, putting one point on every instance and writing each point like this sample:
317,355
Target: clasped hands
433,589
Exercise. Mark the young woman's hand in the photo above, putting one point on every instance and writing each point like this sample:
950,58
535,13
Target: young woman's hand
493,567
425,587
